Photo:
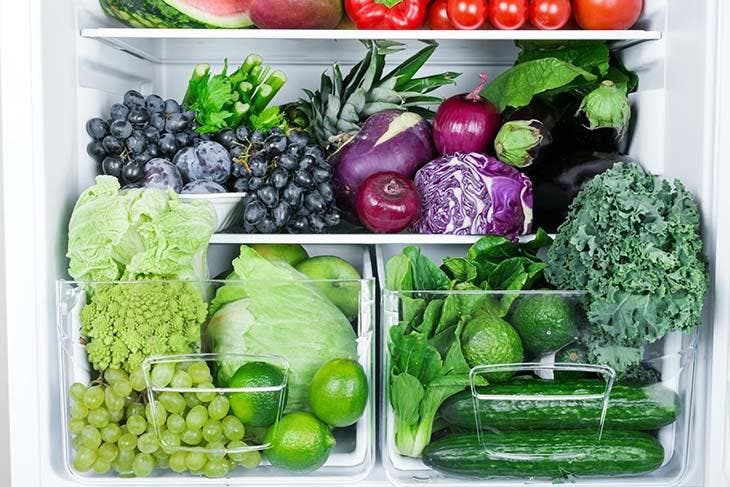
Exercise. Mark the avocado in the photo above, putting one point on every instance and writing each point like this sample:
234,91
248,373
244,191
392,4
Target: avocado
545,322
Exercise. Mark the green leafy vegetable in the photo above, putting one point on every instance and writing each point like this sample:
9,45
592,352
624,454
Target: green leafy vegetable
268,308
124,323
592,57
138,233
633,242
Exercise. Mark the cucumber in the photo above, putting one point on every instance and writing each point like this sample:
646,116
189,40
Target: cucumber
629,408
545,454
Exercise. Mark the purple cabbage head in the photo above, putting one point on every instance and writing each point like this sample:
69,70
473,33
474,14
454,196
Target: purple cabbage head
473,194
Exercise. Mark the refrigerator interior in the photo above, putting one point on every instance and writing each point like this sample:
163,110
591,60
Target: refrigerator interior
81,67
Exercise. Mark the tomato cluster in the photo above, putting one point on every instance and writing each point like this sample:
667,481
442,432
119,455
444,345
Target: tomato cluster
541,14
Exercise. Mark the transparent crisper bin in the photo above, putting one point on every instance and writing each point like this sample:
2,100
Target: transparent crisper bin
542,402
350,459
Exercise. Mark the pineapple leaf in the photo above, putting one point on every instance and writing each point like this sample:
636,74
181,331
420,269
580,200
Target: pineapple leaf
385,95
337,82
405,71
431,83
385,47
388,84
417,101
357,101
376,107
345,126
333,108
424,112
326,86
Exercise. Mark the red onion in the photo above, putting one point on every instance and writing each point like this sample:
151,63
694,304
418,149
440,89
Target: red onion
387,202
466,123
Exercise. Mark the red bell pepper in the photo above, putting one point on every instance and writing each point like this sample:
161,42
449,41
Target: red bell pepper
387,14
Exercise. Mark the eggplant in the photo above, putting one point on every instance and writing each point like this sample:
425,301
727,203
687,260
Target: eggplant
555,188
526,137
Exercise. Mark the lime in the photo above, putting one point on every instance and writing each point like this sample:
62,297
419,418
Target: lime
299,443
344,295
573,353
338,392
292,254
488,340
545,322
256,408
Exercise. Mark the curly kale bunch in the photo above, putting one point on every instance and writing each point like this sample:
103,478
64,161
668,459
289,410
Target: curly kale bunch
127,322
632,240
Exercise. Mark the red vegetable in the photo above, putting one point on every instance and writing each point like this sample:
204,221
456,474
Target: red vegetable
387,14
387,202
438,18
550,14
468,14
466,123
508,14
607,14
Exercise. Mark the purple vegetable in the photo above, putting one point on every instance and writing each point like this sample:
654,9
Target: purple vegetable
389,141
473,194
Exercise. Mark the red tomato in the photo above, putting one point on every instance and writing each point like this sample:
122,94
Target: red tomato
508,14
607,14
468,14
550,14
438,17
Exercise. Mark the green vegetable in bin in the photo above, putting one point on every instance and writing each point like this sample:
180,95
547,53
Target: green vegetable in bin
545,322
338,393
489,340
258,408
299,443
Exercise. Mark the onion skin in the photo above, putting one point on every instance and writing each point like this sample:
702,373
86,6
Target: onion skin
466,123
391,140
388,202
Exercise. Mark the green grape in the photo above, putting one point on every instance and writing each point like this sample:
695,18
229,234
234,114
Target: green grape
191,437
191,399
160,413
76,425
199,372
196,417
212,430
116,416
76,442
108,452
195,460
136,425
217,450
113,402
169,441
135,409
143,465
113,376
162,459
111,433
177,461
175,423
123,463
93,397
123,388
98,418
173,402
251,459
206,396
233,428
162,373
136,378
181,379
218,407
90,437
77,391
79,411
85,458
236,457
102,467
183,365
147,443
127,441
216,468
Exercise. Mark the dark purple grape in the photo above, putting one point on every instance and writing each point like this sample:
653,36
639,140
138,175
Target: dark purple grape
266,226
137,185
288,162
203,187
332,217
112,145
321,173
153,150
226,138
154,104
241,185
157,120
274,131
314,201
268,195
257,137
258,165
298,224
120,129
112,166
97,128
304,211
316,223
133,98
292,194
304,179
306,162
176,122
315,151
96,150
167,145
138,116
295,152
162,174
279,178
132,172
171,106
236,151
275,144
119,112
182,139
242,133
189,115
327,190
254,213
137,143
299,138
142,158
255,183
151,134
281,214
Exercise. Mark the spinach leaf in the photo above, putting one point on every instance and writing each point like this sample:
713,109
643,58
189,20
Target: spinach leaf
592,57
426,275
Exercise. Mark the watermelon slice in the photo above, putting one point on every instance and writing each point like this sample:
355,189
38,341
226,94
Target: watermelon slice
230,14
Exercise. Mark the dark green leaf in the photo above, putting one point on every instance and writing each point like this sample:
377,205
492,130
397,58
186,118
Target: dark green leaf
426,275
463,270
593,58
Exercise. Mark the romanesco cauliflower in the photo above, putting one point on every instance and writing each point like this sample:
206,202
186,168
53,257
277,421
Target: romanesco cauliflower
127,322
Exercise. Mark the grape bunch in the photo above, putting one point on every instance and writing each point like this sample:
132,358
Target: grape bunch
138,130
112,424
285,181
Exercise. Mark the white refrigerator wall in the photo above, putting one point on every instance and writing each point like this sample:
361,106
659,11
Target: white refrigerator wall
58,80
